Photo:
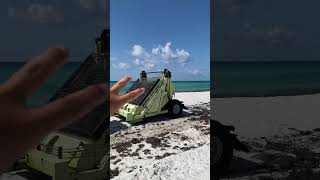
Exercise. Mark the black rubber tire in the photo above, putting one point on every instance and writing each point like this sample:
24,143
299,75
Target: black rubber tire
220,161
172,104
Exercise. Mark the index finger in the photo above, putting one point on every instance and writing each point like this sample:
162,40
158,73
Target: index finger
131,95
32,75
120,85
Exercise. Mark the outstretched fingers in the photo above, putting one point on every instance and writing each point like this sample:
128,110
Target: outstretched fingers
73,107
120,85
131,95
31,76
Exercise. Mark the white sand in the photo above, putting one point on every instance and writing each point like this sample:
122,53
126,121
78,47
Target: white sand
188,153
192,98
266,116
271,117
191,165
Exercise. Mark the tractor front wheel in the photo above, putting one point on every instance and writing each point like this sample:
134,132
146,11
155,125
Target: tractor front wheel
175,108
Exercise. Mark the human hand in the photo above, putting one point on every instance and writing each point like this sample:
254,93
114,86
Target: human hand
116,101
22,128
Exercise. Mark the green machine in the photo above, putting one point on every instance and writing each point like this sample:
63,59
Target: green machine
66,156
157,98
81,150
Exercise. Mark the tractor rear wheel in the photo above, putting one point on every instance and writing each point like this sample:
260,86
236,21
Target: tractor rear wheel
221,155
175,108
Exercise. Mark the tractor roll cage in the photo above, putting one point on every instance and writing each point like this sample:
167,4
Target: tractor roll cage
154,72
166,73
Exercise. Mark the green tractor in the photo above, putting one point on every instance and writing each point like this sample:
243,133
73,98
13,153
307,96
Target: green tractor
157,98
81,150
69,156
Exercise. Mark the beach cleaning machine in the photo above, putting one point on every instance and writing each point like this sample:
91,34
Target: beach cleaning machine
79,151
157,98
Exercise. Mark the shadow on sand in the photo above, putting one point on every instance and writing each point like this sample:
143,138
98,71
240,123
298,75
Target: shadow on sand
243,167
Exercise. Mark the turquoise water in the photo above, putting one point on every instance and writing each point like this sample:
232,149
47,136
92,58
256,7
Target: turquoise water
264,78
43,95
56,81
229,79
183,86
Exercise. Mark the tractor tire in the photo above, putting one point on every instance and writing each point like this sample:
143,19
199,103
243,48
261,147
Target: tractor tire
175,108
221,156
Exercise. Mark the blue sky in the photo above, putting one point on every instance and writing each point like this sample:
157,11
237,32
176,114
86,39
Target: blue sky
273,30
153,35
32,26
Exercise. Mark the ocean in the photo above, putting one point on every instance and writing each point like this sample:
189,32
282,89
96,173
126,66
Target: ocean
229,79
183,86
43,95
239,79
57,80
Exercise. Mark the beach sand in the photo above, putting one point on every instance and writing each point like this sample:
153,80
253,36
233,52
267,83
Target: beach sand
282,132
162,147
265,116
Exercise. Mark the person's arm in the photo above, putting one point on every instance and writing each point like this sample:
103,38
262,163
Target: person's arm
22,128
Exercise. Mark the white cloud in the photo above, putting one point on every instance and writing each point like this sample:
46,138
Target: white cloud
160,55
195,72
39,13
149,60
44,13
145,65
121,66
139,52
113,58
274,34
87,4
149,66
234,7
138,62
92,6
167,54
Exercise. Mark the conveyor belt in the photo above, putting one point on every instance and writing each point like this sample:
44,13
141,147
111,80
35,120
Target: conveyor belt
148,85
94,123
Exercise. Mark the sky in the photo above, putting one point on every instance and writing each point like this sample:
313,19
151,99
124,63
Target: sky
153,35
30,27
273,30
